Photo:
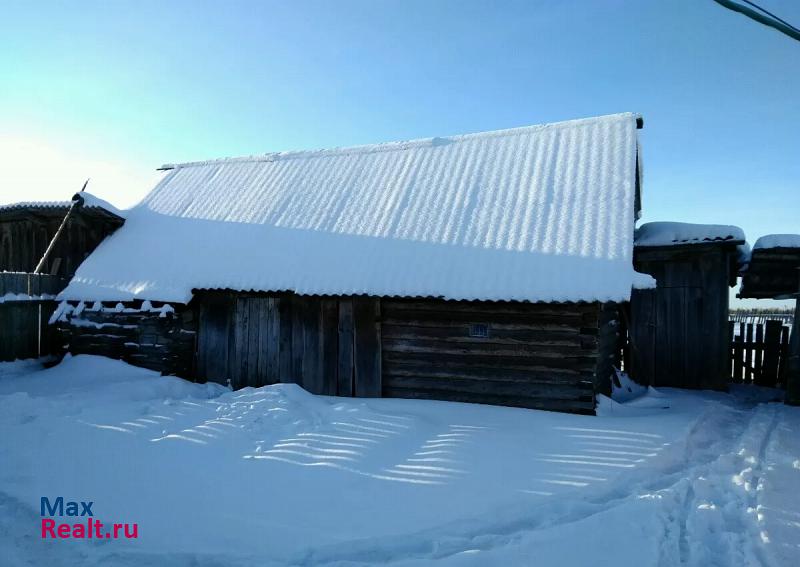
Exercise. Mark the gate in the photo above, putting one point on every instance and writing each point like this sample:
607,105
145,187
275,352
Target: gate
26,303
759,352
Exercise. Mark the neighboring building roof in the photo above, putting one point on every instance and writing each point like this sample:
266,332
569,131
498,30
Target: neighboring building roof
35,205
773,269
680,233
778,241
541,213
89,202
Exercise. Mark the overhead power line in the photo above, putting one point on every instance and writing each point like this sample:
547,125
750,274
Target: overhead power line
770,14
762,16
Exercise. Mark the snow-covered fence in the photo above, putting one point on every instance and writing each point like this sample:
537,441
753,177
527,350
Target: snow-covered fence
759,352
26,302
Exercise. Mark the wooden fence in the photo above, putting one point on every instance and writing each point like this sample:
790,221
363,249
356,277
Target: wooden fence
762,317
26,303
759,352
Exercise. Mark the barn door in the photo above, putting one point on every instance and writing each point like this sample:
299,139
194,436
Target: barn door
335,346
213,337
682,344
642,332
255,344
326,345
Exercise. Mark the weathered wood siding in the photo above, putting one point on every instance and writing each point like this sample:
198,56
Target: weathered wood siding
688,346
26,303
327,345
642,333
548,356
164,342
25,235
24,332
535,355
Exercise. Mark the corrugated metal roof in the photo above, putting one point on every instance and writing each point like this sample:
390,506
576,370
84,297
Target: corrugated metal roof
539,213
35,205
89,202
663,233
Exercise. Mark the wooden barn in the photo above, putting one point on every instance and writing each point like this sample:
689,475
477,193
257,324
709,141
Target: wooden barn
482,268
27,231
679,330
772,271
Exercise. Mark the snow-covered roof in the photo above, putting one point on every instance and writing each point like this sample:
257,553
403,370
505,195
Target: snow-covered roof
678,233
540,213
89,201
777,241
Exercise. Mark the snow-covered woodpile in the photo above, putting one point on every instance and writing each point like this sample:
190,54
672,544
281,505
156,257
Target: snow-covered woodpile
148,334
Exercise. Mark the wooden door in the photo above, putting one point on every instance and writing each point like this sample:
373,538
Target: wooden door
256,342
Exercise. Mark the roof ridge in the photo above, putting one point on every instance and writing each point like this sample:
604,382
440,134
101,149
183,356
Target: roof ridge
402,145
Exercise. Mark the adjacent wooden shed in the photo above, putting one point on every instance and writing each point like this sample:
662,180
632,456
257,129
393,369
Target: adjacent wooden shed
26,230
480,268
679,330
27,299
772,271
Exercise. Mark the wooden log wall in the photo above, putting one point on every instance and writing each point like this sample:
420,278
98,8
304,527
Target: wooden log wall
546,356
161,341
532,355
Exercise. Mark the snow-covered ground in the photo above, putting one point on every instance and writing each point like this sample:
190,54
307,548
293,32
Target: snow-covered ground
275,475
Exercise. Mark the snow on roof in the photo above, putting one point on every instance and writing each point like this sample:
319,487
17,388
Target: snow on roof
777,241
643,281
89,201
677,233
540,213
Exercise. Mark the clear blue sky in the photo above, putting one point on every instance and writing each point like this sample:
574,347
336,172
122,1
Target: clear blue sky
131,85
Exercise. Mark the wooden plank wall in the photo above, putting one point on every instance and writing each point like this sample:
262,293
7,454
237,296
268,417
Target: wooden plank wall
25,306
642,336
535,355
688,313
24,332
792,372
25,236
330,346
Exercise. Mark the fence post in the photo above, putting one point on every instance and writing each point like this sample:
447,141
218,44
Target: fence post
793,366
772,349
748,354
738,354
758,350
